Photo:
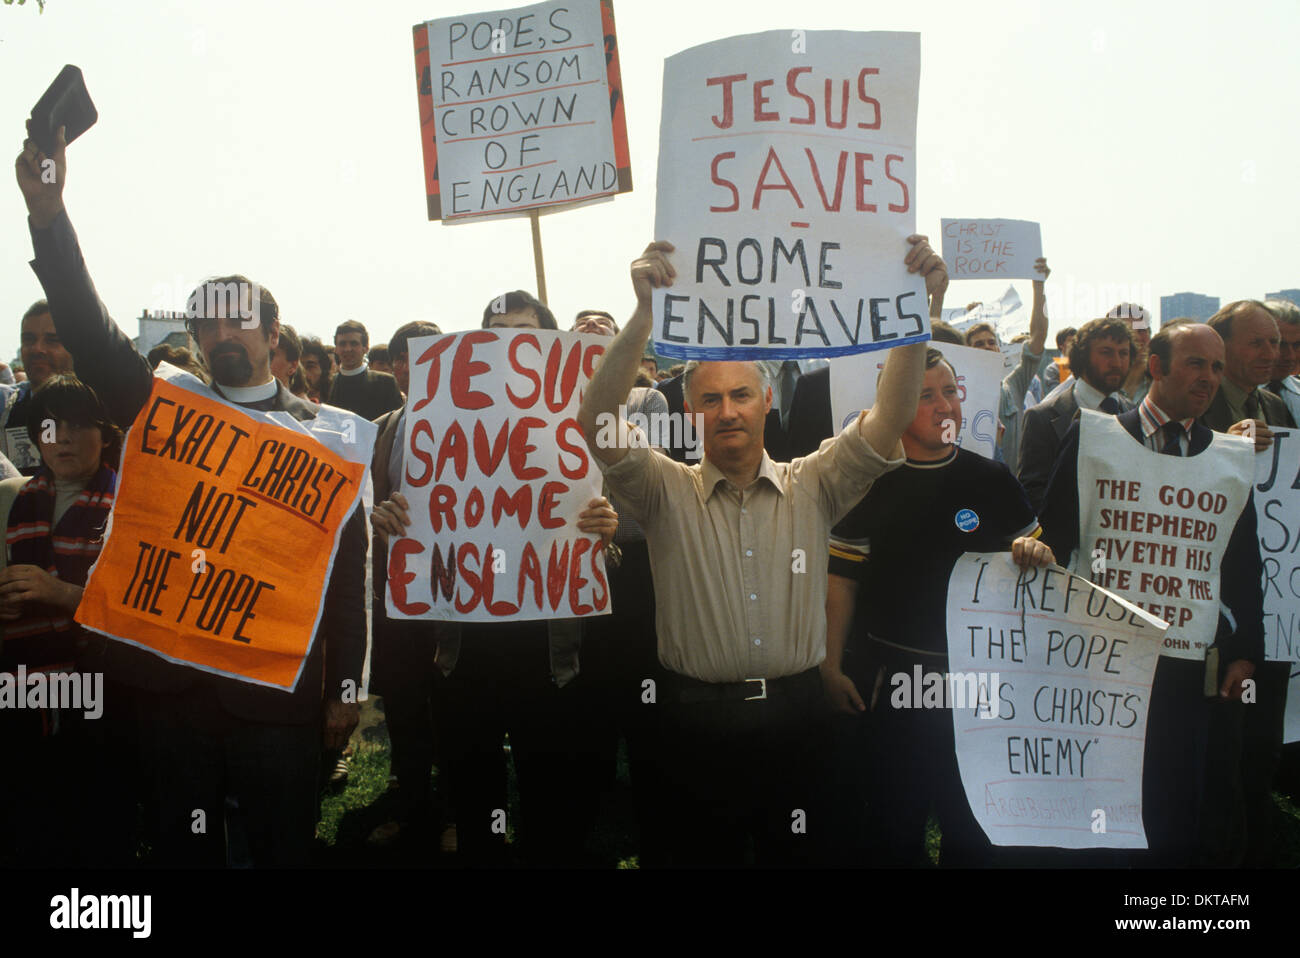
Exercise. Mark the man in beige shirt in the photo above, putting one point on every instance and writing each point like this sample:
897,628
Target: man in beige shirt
736,544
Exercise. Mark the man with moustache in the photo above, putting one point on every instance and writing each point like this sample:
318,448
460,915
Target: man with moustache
43,355
207,737
1099,358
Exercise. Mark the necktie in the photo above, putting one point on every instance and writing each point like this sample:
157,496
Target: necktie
1110,406
1252,405
1173,446
789,375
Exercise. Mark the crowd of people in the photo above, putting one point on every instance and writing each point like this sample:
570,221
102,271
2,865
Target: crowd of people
761,596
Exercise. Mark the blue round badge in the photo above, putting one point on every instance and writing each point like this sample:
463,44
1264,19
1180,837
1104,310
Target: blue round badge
967,520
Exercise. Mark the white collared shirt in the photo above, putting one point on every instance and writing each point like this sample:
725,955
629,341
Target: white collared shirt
1089,398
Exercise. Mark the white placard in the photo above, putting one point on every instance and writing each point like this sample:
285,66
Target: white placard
991,249
521,109
979,388
1051,749
496,470
787,182
1277,518
1155,528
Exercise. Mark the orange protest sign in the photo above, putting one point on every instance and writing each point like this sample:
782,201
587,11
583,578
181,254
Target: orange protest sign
222,538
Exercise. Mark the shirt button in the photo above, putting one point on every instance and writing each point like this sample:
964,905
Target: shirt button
749,552
744,512
758,641
753,596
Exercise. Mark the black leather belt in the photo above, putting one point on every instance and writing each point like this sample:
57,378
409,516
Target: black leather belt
692,691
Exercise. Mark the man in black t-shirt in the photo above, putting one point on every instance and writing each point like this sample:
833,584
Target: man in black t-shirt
891,558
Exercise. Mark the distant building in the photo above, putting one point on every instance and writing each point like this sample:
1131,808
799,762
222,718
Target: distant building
1192,305
1290,295
159,326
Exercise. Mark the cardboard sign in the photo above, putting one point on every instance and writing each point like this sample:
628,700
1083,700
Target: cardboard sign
1050,744
224,531
787,183
496,472
991,249
1154,528
521,109
979,388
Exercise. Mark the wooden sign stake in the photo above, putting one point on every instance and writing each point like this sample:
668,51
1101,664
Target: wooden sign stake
537,255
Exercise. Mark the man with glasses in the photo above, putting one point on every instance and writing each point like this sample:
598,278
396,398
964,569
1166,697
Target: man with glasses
205,737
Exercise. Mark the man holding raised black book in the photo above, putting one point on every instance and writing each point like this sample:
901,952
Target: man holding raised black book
205,737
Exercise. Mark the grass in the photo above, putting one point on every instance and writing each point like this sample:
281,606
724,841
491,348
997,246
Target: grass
367,782
349,815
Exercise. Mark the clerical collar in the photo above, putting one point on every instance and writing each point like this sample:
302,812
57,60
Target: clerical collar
355,372
249,394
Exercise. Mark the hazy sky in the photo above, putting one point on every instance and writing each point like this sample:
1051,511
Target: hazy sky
1157,146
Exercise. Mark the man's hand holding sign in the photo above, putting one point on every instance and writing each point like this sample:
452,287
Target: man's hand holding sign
494,466
786,180
232,573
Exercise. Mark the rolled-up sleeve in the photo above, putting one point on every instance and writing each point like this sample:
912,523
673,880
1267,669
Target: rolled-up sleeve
639,481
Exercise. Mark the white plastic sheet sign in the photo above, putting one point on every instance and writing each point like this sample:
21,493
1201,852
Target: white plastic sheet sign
1050,744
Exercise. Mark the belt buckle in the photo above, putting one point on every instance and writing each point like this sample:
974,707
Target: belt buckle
762,690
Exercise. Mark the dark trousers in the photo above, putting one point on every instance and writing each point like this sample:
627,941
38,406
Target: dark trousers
68,799
1182,752
1261,752
196,754
738,771
619,654
910,768
501,686
407,677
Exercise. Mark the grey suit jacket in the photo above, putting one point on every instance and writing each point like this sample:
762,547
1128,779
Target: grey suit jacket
1045,427
1040,440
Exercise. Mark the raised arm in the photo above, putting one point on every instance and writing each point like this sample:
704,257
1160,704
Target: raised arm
616,373
900,381
103,355
1038,318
